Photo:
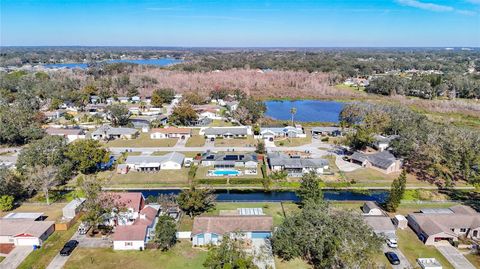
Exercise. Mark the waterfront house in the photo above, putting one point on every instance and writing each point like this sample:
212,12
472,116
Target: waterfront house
107,132
327,131
382,143
296,166
434,225
169,161
170,132
230,160
210,230
226,132
382,161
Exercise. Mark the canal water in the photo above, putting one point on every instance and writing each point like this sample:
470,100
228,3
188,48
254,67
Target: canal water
279,196
307,110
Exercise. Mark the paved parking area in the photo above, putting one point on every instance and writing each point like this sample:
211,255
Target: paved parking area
404,263
454,256
15,257
85,241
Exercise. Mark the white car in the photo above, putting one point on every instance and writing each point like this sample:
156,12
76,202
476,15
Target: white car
392,242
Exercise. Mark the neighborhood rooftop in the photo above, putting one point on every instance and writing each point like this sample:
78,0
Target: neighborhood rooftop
24,227
139,160
228,224
383,159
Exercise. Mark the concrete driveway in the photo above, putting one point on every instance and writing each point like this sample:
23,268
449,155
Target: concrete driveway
404,263
454,256
59,261
15,257
262,252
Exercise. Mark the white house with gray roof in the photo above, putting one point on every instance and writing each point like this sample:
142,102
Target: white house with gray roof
107,132
170,161
230,160
286,131
295,166
226,132
383,161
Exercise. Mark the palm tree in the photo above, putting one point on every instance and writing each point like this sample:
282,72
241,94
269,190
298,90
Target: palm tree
293,111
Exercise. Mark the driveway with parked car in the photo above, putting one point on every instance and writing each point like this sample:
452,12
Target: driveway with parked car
404,263
61,258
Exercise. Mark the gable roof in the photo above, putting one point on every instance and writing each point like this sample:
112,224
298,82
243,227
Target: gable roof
383,159
279,130
380,224
128,199
172,130
64,131
222,157
282,159
226,130
169,157
130,233
227,224
109,130
13,227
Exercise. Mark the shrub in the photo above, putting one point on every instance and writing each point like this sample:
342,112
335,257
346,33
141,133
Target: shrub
6,202
212,181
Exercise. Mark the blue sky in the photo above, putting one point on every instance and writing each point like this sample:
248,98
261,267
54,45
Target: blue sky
301,23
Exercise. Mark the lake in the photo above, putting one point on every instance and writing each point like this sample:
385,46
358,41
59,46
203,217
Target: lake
154,62
279,196
307,110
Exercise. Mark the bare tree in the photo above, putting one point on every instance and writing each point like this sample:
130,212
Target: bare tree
42,178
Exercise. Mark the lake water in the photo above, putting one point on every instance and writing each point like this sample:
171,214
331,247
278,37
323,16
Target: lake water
278,196
154,62
307,110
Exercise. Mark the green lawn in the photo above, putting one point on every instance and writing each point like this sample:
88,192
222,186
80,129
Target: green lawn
52,211
42,258
188,154
2,258
295,263
195,141
372,177
143,140
220,123
474,259
413,248
249,141
140,179
181,256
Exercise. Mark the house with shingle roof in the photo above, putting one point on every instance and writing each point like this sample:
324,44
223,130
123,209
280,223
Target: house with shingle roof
226,132
24,232
169,161
229,160
287,131
383,161
170,132
439,224
296,166
107,132
210,230
71,134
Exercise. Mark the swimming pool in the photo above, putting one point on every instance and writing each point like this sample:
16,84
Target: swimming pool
225,172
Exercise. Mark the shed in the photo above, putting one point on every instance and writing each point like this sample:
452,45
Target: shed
122,169
400,222
73,208
429,263
372,208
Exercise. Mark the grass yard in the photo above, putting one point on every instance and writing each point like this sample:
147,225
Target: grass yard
134,179
143,140
188,154
195,141
294,142
52,211
249,141
220,123
296,263
181,256
372,177
413,248
474,259
42,258
2,258
273,209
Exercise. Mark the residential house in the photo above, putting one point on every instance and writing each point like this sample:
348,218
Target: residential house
107,132
200,122
208,111
170,132
136,99
72,209
210,230
24,232
69,107
383,161
296,166
123,99
135,225
96,109
324,131
169,161
55,114
232,105
287,131
381,225
226,132
372,208
230,160
94,99
382,143
438,224
69,134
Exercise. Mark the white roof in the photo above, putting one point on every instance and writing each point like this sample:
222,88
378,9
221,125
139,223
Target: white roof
250,211
23,215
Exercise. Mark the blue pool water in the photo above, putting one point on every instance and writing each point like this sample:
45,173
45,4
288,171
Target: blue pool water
226,172
155,62
307,110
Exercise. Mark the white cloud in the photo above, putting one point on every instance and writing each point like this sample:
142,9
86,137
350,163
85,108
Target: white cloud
466,12
425,6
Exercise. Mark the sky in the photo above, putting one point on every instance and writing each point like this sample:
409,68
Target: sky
230,23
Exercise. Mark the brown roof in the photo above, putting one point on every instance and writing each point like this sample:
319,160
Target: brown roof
171,130
64,131
13,227
228,224
130,233
460,217
147,216
128,199
380,223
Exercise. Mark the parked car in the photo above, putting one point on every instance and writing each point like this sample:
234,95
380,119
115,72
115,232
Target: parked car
392,242
68,247
392,258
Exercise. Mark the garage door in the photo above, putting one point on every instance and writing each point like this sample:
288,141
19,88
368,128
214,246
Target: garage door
26,241
260,235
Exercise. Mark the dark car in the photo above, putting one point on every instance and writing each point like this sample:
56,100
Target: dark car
392,258
69,247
